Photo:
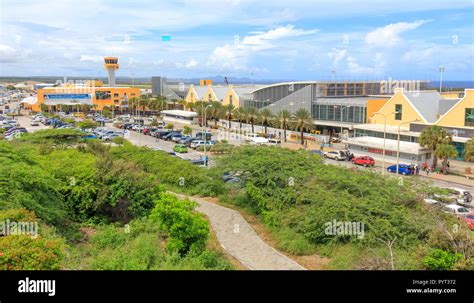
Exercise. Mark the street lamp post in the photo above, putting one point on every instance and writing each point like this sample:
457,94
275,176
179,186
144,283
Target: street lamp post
205,135
342,111
441,71
398,142
384,137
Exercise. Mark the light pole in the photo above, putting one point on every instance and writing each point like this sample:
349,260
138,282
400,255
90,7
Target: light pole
205,135
342,111
441,71
398,142
384,136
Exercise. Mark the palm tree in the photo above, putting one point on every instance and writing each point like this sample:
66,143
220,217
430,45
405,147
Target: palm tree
240,115
161,103
200,106
251,116
191,106
174,102
182,102
469,150
228,111
302,121
282,120
143,103
216,111
265,117
445,151
132,103
431,137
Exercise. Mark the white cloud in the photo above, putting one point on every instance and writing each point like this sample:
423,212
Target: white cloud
235,56
191,64
389,35
337,55
92,58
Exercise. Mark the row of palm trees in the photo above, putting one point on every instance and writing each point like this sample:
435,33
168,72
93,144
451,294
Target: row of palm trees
300,121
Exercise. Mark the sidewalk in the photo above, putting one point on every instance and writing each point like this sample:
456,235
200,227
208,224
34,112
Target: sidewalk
456,166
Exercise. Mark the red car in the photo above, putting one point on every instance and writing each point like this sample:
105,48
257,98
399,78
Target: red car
469,219
364,160
146,131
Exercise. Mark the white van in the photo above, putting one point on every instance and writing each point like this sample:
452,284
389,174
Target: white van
274,142
251,136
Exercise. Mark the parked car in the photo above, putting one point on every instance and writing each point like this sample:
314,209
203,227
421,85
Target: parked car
180,148
105,133
207,134
196,143
457,210
274,142
89,137
364,160
404,169
431,201
110,136
335,155
469,219
186,140
170,135
138,128
177,137
161,133
13,129
462,196
197,161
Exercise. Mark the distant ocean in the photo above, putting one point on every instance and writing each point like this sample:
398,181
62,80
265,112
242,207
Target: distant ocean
452,84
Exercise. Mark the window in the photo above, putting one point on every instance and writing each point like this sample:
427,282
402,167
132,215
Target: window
469,117
116,94
398,112
210,97
230,99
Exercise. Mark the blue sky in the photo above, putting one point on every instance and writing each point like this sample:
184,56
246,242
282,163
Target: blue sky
276,39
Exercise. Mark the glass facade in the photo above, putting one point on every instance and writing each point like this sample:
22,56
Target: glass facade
469,117
350,114
398,112
371,133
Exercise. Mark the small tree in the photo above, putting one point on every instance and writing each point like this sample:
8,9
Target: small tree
302,121
445,151
187,130
469,150
282,120
432,136
265,118
169,126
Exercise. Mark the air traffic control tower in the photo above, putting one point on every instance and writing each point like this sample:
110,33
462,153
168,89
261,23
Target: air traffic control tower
111,64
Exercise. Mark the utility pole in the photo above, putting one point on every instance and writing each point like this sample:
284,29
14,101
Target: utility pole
441,71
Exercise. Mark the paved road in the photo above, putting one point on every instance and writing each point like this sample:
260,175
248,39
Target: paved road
438,183
239,239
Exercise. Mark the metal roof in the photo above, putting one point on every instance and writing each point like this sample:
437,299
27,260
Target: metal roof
428,104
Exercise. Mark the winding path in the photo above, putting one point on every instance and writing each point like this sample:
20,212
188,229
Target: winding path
239,239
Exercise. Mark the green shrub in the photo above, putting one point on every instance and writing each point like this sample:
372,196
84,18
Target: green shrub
22,252
438,259
187,231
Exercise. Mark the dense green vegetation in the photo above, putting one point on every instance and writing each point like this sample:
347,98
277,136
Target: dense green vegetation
105,207
74,189
296,195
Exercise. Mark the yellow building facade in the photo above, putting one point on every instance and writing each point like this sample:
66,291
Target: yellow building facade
461,114
96,97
